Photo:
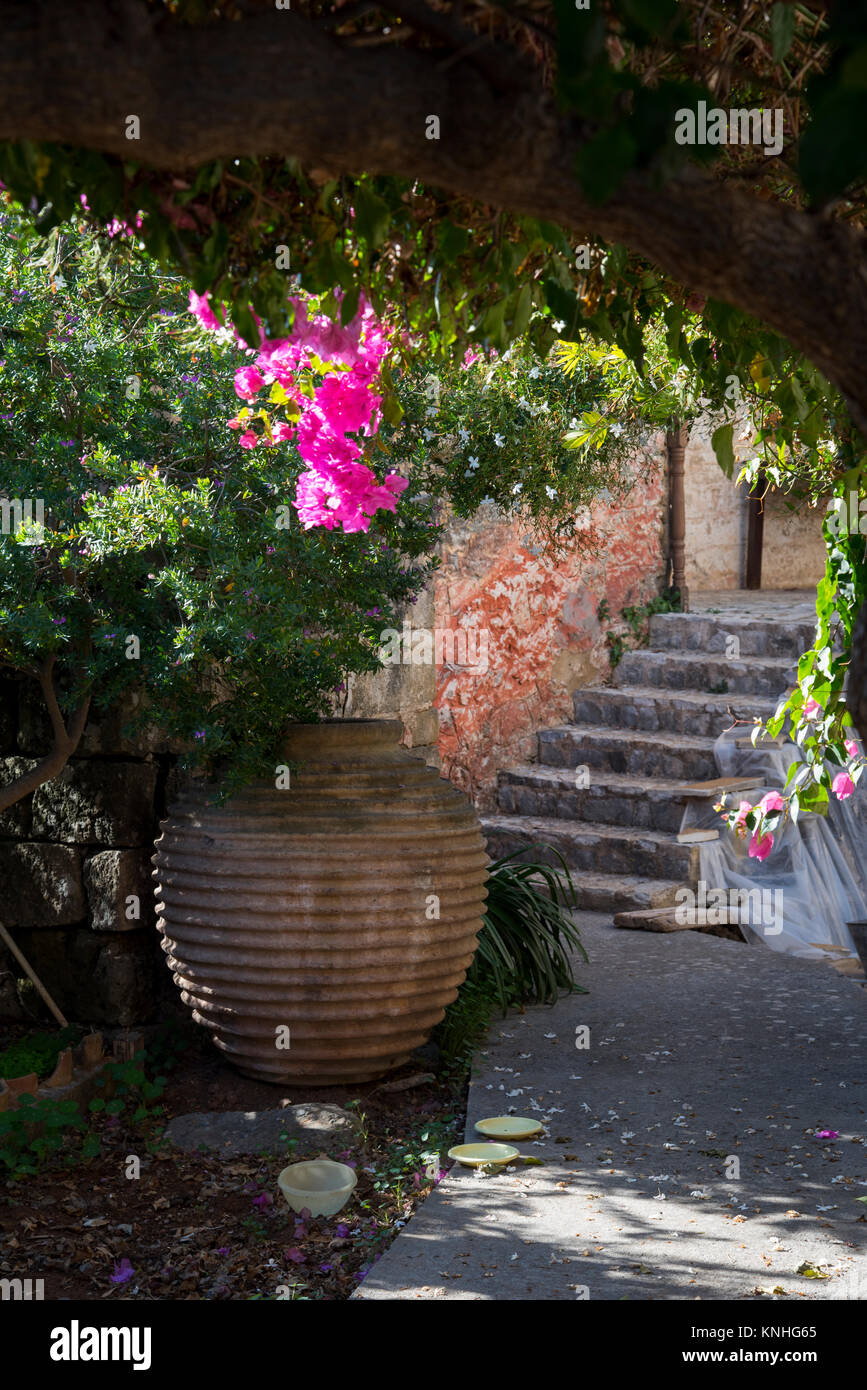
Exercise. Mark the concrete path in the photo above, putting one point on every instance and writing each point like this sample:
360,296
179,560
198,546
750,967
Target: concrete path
700,1049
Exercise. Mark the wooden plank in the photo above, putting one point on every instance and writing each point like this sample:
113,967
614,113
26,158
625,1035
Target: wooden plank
664,919
715,787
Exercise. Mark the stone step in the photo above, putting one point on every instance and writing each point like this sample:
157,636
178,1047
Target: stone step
595,892
681,712
611,798
600,848
699,632
695,671
687,758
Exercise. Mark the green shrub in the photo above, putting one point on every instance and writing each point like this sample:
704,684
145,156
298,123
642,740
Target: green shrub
525,953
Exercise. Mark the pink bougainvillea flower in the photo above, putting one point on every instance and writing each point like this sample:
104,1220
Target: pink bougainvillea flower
337,488
827,1134
761,848
740,826
345,402
248,382
296,1256
842,786
470,356
122,1272
811,708
200,306
851,747
771,801
262,1201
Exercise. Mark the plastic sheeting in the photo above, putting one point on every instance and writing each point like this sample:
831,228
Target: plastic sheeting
815,879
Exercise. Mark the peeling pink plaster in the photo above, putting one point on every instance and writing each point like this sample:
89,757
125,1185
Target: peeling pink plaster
544,638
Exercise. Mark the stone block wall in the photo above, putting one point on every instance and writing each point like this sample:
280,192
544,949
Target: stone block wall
75,868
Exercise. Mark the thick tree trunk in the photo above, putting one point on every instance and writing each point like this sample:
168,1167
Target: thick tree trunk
275,83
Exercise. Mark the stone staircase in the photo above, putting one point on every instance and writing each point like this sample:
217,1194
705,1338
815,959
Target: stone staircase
608,790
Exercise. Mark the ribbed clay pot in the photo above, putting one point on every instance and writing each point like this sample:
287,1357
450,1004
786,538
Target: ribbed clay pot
344,909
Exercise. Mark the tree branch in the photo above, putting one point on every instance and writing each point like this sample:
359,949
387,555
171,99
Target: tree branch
276,83
65,741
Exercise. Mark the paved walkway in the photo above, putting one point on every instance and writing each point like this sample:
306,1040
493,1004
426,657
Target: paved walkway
699,1048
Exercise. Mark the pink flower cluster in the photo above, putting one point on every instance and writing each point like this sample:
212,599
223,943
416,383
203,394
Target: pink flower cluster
115,227
772,804
762,841
337,488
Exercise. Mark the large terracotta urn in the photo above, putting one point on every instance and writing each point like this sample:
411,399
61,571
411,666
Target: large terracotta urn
320,930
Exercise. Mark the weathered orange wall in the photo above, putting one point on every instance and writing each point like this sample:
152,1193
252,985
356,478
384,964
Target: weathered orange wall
545,639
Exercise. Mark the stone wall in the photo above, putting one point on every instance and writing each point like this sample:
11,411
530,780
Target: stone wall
793,553
75,867
404,689
541,616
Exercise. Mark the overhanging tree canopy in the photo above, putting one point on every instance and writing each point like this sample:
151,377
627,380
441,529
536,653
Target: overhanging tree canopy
542,113
447,156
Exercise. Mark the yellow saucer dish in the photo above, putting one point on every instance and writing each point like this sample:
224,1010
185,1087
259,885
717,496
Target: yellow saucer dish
480,1155
509,1127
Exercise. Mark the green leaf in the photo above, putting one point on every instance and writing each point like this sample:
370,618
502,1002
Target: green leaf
521,317
452,241
349,307
392,410
782,30
723,447
604,162
651,15
372,215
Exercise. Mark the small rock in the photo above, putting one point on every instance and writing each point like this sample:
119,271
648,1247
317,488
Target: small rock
234,1132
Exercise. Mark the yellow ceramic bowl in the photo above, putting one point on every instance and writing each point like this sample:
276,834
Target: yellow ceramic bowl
480,1155
320,1185
508,1127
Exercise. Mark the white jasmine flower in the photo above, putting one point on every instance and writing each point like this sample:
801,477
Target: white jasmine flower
499,441
516,488
617,431
552,492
